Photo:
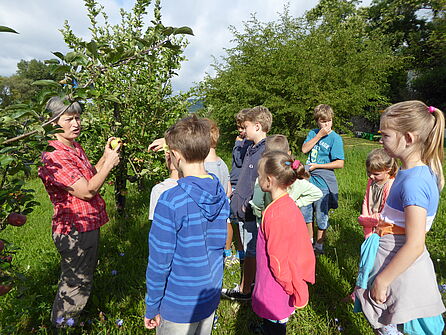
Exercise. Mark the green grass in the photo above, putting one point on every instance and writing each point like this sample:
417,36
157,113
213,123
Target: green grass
26,309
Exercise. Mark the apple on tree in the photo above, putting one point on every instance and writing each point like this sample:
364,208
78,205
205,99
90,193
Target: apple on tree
16,219
5,289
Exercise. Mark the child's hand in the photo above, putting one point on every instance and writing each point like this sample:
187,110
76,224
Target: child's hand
378,291
324,131
152,323
156,145
312,166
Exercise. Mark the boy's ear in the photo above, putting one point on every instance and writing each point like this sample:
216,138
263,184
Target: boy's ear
258,126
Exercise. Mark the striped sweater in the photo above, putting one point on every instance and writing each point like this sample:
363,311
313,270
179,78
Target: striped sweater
186,241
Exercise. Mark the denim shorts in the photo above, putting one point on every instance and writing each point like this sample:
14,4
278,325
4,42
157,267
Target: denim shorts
320,209
248,235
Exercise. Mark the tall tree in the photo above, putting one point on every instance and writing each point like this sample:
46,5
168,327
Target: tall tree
291,65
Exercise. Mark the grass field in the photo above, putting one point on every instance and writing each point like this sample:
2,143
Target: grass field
119,288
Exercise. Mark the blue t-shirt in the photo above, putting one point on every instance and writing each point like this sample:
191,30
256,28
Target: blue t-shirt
412,187
328,149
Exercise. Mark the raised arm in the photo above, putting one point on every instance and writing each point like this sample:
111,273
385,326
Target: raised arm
86,189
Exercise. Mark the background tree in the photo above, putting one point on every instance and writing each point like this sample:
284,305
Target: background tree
416,32
18,88
326,56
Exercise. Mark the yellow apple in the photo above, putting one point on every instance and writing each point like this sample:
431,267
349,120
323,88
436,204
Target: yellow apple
115,142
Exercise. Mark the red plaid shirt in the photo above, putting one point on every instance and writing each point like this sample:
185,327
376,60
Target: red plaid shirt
61,169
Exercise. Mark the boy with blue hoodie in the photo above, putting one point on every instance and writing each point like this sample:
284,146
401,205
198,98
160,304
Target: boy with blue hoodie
187,238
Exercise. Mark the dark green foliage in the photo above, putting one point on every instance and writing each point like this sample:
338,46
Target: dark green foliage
294,64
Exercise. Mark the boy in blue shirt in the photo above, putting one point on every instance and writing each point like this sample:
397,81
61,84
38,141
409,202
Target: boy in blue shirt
187,238
326,154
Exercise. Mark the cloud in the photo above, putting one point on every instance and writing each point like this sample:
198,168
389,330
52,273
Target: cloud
38,23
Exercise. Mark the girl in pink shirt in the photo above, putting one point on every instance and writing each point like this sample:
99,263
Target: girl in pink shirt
284,255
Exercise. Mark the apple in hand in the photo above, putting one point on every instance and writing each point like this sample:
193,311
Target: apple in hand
16,219
115,142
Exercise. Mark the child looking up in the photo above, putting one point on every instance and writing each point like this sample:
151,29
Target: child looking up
326,154
301,191
400,292
381,169
285,257
185,269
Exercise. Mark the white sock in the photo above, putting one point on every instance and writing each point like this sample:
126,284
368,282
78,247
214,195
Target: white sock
312,240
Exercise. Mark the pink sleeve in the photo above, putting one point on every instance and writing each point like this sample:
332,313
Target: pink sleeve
365,206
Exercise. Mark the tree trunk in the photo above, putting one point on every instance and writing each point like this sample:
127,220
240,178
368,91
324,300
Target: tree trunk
121,169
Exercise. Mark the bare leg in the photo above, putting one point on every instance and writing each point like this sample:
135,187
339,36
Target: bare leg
248,276
237,238
310,230
321,236
229,237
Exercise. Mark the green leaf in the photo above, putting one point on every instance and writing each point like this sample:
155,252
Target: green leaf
4,29
183,30
143,41
46,82
52,61
93,48
5,160
168,31
168,44
59,55
111,98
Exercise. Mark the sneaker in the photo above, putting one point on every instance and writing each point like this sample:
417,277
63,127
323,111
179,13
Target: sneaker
318,251
235,294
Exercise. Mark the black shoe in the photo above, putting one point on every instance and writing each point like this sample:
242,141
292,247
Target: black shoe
235,294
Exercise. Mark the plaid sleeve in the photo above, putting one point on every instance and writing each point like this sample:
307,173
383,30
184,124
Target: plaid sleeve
60,170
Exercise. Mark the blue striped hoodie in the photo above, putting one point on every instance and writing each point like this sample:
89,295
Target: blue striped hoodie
186,241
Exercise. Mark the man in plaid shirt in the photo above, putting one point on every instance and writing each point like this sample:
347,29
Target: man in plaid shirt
72,184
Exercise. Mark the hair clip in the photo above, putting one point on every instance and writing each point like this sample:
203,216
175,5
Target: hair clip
431,109
296,164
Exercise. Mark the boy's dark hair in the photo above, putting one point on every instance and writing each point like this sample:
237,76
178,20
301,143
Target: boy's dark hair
262,115
277,143
323,111
191,137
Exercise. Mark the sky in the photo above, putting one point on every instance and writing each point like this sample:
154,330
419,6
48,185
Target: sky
38,24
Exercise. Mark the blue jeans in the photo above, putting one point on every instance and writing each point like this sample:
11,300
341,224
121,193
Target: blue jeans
320,209
248,235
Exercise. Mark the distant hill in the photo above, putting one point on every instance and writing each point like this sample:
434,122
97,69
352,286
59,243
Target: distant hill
197,104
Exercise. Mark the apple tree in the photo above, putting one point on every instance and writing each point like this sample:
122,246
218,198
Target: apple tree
123,74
